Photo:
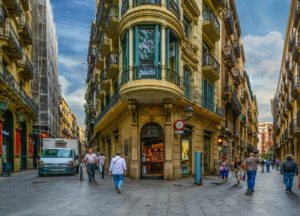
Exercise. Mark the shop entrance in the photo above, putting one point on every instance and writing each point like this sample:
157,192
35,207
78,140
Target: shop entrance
207,152
24,146
8,141
152,151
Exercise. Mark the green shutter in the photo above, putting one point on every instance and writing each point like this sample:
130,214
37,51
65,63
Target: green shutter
156,45
211,97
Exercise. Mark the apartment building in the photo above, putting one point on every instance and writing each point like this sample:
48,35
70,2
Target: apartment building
265,144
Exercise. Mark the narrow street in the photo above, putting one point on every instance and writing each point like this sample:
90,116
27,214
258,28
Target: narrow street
26,194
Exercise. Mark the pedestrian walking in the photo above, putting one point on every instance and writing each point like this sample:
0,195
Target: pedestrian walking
289,170
237,167
268,164
224,168
91,162
277,162
118,169
250,165
101,161
262,163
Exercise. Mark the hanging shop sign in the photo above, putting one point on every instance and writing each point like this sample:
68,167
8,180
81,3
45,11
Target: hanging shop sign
179,127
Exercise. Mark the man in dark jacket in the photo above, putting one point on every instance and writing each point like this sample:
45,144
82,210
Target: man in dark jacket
289,170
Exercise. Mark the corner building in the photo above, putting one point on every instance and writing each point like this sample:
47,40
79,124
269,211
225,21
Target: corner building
150,62
286,102
17,109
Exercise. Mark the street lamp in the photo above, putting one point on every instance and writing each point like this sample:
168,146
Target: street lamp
189,111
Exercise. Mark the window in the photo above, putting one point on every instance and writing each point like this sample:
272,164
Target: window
125,57
172,46
187,27
208,91
187,82
147,52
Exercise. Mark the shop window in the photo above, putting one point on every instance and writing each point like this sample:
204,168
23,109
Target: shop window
147,52
208,91
186,151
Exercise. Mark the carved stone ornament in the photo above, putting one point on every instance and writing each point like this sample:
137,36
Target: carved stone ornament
132,106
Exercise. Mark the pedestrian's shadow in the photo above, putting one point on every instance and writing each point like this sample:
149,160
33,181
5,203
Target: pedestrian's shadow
249,194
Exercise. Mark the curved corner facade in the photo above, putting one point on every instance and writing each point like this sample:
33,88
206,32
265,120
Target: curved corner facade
153,65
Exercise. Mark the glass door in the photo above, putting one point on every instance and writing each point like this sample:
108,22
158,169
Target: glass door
207,152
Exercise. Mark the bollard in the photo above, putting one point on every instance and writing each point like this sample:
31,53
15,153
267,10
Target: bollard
198,168
81,171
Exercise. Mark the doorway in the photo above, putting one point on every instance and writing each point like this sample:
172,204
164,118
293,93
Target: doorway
24,146
152,151
8,140
207,152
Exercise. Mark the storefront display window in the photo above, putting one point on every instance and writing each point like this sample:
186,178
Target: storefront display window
186,152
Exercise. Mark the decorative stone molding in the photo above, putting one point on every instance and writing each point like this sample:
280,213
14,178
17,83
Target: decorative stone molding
132,106
168,110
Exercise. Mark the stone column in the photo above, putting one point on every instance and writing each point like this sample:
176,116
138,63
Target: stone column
169,141
130,3
130,54
135,166
163,51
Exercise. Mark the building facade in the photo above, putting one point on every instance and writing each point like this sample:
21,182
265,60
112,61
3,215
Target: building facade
240,129
17,109
45,84
285,105
154,87
265,145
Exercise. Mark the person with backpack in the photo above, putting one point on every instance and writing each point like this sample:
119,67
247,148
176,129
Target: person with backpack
268,164
289,170
118,169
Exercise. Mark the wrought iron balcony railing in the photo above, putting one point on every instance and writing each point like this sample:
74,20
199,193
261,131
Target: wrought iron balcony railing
228,19
10,81
209,16
147,72
125,7
209,60
146,2
173,7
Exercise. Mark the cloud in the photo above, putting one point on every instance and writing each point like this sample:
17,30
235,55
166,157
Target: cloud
263,62
70,62
75,98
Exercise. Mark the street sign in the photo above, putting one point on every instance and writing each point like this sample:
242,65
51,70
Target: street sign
179,127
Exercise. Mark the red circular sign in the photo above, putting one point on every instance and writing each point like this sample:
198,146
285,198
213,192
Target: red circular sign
179,125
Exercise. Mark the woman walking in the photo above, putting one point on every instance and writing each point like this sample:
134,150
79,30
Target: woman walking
224,168
237,166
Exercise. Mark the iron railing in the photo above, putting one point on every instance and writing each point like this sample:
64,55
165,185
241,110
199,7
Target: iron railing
125,77
173,7
125,7
146,2
172,77
228,19
209,60
9,80
114,99
113,58
147,72
209,16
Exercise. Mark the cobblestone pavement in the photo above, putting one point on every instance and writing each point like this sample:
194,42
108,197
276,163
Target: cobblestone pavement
26,194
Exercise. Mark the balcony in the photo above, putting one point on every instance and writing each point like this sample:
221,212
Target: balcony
24,30
148,86
292,40
236,48
10,87
26,68
210,67
218,3
296,125
105,82
290,130
211,25
243,97
99,60
228,56
296,86
236,76
104,45
112,22
13,7
137,3
26,4
231,99
229,23
11,43
297,13
112,65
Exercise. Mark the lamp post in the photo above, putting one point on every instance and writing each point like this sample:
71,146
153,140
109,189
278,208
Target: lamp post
189,111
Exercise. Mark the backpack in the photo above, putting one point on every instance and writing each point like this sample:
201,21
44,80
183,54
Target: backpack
288,167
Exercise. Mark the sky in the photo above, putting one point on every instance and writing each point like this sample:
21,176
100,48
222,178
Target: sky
263,24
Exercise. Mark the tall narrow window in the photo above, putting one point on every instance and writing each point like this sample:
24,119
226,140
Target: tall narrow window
147,57
172,56
208,92
125,58
187,27
187,82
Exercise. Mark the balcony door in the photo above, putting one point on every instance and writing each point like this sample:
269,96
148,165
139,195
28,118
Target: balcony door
147,57
187,82
208,91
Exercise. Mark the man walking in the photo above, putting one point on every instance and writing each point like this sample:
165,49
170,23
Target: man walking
268,164
250,165
101,160
91,162
262,163
289,170
277,162
118,169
